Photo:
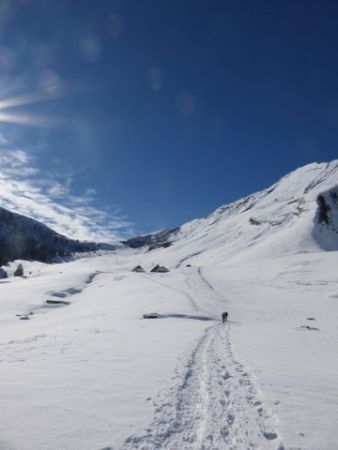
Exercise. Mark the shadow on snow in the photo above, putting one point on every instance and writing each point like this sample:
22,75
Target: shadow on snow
177,316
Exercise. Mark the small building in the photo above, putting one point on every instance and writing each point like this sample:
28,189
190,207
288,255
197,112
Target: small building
159,269
138,269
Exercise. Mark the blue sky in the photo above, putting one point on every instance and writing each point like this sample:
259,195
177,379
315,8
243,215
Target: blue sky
139,115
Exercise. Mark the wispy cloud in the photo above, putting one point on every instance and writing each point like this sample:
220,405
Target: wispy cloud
34,121
25,189
51,87
26,99
34,87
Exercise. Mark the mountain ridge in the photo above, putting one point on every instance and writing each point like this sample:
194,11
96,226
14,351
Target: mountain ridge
298,213
22,237
301,207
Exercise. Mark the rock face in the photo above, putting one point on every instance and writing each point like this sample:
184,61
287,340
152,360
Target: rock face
327,213
25,238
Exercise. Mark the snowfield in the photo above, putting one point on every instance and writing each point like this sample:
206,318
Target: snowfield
91,373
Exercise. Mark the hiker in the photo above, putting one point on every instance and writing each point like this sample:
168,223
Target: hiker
224,316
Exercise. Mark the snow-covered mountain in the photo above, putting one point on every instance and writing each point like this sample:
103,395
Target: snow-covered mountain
299,213
25,238
82,369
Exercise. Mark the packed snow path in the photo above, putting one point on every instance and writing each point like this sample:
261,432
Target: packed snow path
91,374
216,404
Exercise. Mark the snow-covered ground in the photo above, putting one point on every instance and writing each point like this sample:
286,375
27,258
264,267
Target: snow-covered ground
92,374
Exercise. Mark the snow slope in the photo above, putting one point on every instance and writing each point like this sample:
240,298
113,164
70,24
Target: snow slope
93,374
281,219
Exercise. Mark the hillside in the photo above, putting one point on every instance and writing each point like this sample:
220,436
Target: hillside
297,214
82,368
25,238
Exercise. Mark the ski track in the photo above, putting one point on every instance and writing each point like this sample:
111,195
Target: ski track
189,297
200,286
186,258
216,404
210,286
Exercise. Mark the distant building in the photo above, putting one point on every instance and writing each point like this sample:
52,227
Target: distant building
138,269
159,269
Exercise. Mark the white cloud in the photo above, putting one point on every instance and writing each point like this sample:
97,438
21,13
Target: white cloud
26,190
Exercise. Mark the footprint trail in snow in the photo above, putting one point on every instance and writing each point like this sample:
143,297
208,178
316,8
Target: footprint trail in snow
216,405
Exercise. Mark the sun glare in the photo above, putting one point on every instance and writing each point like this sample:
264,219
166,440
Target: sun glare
27,119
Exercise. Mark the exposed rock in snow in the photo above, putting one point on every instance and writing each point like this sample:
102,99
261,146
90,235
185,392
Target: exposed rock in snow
326,219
